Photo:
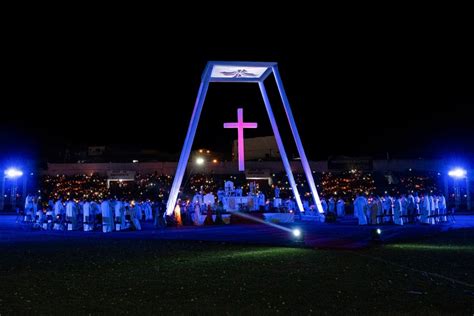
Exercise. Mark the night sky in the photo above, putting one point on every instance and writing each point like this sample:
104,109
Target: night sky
353,91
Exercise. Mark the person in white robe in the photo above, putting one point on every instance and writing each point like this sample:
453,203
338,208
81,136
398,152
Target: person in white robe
40,216
411,207
208,199
29,209
48,224
340,207
331,205
87,217
138,208
261,199
107,216
387,208
148,211
324,205
71,215
442,207
59,207
397,211
277,192
436,208
417,207
404,204
198,198
58,214
197,214
136,216
425,209
432,209
380,211
360,209
118,215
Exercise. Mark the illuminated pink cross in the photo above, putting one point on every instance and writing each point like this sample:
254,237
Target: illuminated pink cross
240,125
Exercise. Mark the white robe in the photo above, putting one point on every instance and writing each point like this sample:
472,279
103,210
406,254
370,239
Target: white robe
107,217
197,215
397,212
87,217
58,208
340,208
442,208
136,216
148,211
404,204
432,210
118,211
71,215
332,205
29,206
425,210
360,209
324,205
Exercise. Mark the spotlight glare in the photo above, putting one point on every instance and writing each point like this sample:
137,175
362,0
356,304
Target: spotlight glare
457,173
13,173
200,160
379,231
296,232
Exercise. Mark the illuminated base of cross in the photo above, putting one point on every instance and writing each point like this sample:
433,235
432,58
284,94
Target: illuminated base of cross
240,125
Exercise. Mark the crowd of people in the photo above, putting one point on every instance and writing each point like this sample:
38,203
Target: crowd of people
426,208
86,202
114,214
151,186
109,214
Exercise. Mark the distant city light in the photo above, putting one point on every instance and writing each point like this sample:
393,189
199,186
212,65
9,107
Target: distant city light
134,161
13,173
200,161
457,173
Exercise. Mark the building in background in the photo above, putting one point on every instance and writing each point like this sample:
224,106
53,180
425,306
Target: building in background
258,148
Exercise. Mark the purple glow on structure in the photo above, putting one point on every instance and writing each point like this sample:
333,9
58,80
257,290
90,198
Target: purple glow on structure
243,72
240,125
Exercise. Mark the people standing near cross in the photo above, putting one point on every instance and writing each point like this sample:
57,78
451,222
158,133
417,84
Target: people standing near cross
240,125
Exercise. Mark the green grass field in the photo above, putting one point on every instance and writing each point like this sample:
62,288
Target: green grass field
103,276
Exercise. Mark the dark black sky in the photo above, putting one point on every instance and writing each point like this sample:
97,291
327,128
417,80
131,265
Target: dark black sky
354,89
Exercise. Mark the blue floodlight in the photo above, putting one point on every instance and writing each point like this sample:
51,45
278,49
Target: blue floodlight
457,173
13,173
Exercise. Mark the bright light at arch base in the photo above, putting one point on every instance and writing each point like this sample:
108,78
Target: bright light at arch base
200,161
457,173
13,173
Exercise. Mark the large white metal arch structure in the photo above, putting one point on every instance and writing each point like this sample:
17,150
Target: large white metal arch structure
253,72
